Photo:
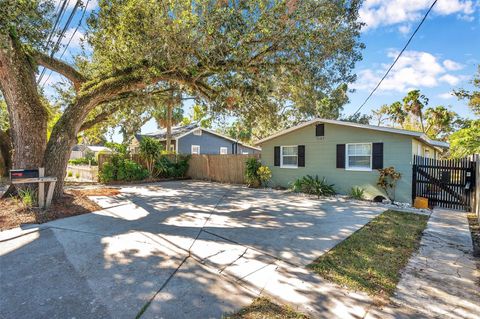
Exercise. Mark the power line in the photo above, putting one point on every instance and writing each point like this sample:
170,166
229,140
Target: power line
71,38
398,57
62,33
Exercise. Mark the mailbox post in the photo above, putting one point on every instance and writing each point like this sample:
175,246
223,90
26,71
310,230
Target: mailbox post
35,176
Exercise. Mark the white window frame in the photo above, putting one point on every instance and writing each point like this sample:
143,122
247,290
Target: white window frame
224,149
281,157
245,153
197,132
195,146
362,169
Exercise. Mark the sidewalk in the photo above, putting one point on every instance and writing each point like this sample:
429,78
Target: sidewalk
443,278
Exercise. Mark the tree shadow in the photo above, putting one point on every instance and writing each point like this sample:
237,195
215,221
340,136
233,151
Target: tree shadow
112,262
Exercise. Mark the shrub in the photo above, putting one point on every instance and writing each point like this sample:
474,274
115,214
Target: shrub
264,174
251,172
313,185
77,175
83,161
122,169
150,151
387,180
27,196
357,192
70,174
167,168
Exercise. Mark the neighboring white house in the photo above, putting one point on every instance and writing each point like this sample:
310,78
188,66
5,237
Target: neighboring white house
80,150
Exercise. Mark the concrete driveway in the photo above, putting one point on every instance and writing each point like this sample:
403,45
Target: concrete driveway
180,250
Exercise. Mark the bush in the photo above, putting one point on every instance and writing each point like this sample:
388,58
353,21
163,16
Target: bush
83,161
387,180
122,169
27,196
357,193
167,168
251,172
70,174
77,175
264,174
150,150
313,185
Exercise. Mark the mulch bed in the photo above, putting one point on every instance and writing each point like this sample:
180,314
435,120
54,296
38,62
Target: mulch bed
13,213
475,230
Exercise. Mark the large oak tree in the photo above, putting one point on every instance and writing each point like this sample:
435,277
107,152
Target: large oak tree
223,52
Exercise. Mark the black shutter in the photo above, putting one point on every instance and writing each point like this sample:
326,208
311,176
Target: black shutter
320,130
340,155
301,155
276,156
377,155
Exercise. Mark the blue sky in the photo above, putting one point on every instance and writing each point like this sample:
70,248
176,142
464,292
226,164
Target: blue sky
443,55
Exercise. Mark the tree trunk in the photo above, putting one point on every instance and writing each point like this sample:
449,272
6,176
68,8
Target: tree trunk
27,115
6,151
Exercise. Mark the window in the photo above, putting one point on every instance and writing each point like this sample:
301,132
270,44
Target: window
426,153
195,149
289,156
172,148
223,150
245,153
197,132
359,157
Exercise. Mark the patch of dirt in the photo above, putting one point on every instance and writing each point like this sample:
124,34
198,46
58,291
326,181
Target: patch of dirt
13,213
475,231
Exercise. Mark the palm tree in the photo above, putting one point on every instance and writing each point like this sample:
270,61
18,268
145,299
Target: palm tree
168,112
396,114
440,121
414,103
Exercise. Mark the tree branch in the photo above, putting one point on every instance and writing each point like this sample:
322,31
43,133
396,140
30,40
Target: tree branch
60,67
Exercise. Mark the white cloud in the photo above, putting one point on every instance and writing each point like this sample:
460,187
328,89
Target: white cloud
450,79
377,13
76,40
414,69
404,29
446,95
452,65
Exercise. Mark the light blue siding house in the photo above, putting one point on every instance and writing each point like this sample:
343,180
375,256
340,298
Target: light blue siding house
193,139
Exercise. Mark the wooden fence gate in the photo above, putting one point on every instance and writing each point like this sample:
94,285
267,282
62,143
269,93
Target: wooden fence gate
446,183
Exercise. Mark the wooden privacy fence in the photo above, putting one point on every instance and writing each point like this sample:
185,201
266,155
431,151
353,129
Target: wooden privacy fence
219,168
215,167
83,172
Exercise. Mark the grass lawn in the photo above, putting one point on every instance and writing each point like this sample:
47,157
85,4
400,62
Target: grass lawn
262,308
371,259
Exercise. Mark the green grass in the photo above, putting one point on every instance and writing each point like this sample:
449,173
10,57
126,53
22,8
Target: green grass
370,260
262,308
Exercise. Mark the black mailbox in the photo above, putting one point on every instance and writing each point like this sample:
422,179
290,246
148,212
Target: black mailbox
23,173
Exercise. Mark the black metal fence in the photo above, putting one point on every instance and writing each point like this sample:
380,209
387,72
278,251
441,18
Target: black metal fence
446,183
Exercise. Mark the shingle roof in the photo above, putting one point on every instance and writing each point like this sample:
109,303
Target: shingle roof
418,135
162,133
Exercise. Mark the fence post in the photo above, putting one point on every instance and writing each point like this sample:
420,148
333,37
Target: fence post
414,179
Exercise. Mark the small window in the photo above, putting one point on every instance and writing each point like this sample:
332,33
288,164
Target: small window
245,153
359,157
197,132
426,153
195,149
223,150
289,156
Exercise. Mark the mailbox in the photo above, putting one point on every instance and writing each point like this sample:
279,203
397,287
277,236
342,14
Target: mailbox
16,174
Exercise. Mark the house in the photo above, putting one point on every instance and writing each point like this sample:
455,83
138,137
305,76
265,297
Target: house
81,150
346,154
193,139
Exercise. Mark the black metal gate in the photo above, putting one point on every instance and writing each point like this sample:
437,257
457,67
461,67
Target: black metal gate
446,183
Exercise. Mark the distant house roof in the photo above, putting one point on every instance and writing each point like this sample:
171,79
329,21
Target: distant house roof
180,131
419,135
93,148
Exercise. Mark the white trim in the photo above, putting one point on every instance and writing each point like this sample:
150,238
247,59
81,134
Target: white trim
191,149
418,135
361,169
281,157
217,134
223,148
